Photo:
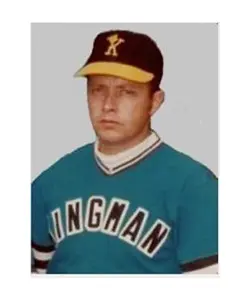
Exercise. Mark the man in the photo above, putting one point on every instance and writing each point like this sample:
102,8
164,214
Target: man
128,203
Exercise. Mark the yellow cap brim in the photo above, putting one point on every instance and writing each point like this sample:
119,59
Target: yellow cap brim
115,69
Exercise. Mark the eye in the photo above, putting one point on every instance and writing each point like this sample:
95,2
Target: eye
129,92
97,90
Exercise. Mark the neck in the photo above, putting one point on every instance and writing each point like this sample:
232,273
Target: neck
114,148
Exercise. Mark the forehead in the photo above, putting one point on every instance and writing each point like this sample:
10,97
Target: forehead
112,80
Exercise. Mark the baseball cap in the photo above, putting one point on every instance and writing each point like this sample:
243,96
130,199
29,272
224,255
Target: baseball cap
126,54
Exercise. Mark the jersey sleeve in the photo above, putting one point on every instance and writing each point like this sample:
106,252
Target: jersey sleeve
42,243
197,224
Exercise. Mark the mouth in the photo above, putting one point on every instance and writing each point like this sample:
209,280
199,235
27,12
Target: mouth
106,121
107,124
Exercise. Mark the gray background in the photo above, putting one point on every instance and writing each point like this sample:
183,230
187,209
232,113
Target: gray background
188,120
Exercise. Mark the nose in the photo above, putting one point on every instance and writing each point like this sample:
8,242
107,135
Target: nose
109,103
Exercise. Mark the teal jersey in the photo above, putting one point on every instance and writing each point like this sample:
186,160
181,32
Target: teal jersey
152,216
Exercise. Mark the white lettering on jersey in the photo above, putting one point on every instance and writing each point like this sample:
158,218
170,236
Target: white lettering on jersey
57,222
95,213
154,238
110,223
74,216
132,230
114,216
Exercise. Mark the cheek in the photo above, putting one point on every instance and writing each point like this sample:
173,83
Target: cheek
94,109
135,111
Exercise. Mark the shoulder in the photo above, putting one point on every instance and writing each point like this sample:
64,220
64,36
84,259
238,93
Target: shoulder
179,169
67,164
181,163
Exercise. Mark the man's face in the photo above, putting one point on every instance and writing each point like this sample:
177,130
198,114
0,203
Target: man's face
119,109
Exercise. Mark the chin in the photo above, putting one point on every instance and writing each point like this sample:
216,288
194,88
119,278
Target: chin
110,136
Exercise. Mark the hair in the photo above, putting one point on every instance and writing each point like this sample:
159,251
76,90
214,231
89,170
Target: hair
154,87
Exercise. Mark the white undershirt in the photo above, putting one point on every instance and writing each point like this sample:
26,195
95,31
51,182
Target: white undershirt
114,160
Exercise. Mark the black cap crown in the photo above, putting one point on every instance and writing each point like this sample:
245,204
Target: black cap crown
126,54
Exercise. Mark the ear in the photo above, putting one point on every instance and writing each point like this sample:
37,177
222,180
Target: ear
157,100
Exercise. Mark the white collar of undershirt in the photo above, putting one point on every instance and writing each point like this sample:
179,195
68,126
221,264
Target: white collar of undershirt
112,164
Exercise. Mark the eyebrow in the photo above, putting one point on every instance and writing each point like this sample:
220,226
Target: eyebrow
96,84
126,85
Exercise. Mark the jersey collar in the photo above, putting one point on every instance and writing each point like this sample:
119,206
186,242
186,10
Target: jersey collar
112,164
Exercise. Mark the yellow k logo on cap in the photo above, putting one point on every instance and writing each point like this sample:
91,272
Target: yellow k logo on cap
114,43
